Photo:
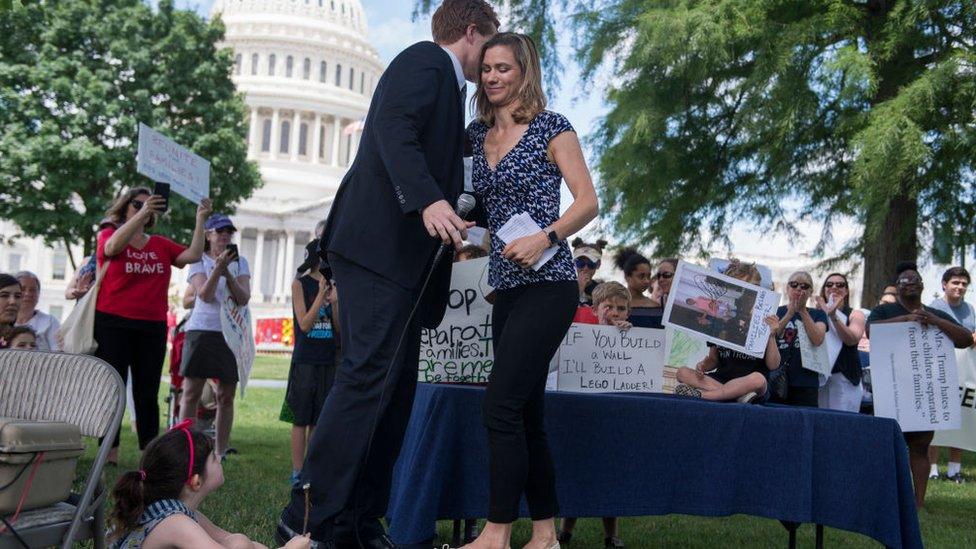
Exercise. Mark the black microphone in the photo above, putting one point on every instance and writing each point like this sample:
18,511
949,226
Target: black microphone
465,204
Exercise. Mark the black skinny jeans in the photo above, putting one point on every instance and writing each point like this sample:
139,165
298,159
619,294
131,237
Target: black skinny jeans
140,345
528,324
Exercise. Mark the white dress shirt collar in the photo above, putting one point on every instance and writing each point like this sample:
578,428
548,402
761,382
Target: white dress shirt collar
457,68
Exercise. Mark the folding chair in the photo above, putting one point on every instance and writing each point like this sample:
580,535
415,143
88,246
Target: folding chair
77,389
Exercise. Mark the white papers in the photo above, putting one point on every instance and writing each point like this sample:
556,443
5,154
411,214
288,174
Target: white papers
162,159
914,376
523,225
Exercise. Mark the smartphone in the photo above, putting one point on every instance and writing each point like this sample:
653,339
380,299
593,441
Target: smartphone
234,254
162,189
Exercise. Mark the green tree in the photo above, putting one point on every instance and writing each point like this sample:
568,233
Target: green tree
772,111
77,77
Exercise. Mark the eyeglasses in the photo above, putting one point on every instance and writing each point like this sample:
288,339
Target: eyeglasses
801,285
584,262
137,204
225,230
840,285
664,274
909,280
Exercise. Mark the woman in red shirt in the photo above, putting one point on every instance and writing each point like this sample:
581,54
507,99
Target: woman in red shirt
130,313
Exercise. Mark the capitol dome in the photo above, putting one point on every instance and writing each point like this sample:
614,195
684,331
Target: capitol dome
307,73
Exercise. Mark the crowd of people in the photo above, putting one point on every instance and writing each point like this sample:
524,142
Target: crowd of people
522,152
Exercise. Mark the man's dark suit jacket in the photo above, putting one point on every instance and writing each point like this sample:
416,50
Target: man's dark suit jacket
409,157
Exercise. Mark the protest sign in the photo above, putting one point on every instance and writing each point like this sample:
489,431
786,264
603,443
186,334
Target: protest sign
603,359
815,358
720,309
459,350
162,159
965,436
913,376
680,350
833,341
235,323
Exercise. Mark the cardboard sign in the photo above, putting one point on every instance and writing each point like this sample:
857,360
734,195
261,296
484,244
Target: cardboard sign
720,309
460,349
162,159
604,359
815,358
235,323
914,376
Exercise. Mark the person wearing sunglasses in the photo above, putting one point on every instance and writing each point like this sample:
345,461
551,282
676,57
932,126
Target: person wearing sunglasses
802,385
909,308
662,279
220,274
131,306
843,390
586,259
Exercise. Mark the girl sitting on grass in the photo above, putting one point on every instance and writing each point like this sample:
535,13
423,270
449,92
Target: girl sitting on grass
156,506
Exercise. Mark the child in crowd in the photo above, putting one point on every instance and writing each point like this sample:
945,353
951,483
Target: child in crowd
156,506
611,307
20,337
725,374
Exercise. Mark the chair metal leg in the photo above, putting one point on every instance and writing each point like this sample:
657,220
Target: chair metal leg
820,536
100,527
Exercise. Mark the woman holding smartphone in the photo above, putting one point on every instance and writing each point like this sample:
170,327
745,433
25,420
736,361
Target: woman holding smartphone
220,275
130,311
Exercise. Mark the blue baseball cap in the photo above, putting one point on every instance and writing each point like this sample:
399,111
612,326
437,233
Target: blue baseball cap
218,221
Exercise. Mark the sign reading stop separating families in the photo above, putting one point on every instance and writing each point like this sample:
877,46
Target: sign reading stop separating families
460,349
164,160
914,376
604,359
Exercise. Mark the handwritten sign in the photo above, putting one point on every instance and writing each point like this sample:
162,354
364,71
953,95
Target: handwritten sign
603,359
162,159
914,376
815,358
235,323
460,349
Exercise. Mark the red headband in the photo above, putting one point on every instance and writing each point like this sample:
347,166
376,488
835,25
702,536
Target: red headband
185,427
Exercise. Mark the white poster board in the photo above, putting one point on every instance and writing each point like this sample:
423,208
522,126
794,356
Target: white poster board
235,323
164,160
460,350
914,377
720,309
815,358
604,359
965,436
833,342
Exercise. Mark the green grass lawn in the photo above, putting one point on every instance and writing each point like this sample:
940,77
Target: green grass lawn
256,488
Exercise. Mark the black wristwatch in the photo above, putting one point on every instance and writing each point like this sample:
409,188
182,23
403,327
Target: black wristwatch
553,237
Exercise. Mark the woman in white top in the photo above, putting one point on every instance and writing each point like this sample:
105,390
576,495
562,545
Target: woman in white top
219,276
43,324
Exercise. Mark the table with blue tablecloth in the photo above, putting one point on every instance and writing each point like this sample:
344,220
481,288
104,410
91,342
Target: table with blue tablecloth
637,455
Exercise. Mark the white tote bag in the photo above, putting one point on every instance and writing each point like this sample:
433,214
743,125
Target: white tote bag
77,332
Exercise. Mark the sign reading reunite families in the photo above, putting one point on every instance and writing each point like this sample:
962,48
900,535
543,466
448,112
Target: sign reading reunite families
162,159
913,376
965,436
720,309
460,350
601,359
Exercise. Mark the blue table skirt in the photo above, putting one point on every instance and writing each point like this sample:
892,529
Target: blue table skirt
639,455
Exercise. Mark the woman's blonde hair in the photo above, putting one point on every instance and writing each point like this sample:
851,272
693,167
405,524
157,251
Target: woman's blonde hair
531,100
116,212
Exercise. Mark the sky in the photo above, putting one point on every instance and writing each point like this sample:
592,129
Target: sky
391,29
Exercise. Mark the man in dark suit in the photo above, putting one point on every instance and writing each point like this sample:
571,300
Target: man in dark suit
394,208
